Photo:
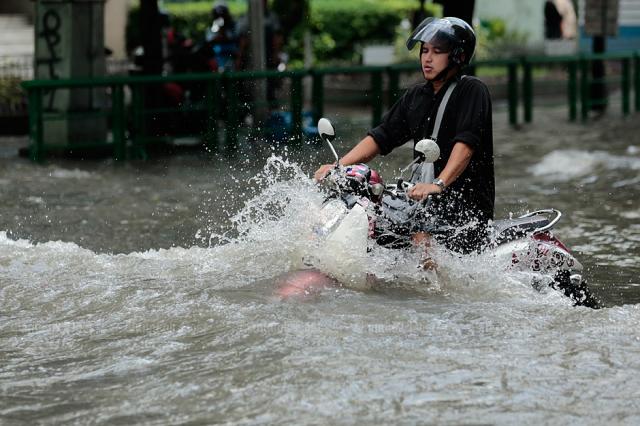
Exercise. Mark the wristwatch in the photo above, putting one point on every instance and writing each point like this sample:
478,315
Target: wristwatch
440,183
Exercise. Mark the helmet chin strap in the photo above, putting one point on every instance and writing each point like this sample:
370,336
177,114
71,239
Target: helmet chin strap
442,75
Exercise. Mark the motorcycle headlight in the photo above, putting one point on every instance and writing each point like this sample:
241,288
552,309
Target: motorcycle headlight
377,189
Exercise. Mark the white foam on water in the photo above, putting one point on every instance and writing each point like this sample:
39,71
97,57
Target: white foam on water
567,164
59,173
632,214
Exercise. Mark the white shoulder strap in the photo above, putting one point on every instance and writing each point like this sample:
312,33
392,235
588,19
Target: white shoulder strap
426,170
441,108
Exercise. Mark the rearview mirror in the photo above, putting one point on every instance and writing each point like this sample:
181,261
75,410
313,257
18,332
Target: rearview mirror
328,133
429,149
326,130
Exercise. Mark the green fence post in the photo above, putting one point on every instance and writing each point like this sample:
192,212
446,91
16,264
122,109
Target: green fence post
636,83
137,103
626,86
376,90
394,85
572,90
512,90
527,90
317,95
211,100
118,118
36,149
296,107
232,116
585,96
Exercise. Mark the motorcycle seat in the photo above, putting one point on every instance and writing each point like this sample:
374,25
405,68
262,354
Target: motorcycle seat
509,229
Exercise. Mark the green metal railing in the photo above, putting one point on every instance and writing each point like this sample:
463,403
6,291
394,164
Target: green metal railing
579,81
219,101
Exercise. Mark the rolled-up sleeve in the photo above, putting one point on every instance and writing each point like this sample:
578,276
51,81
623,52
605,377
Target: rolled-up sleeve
394,129
474,111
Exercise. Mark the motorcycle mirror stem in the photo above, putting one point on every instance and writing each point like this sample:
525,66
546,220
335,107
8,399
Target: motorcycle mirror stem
429,152
327,133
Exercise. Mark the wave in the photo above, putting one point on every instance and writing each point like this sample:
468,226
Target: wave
568,164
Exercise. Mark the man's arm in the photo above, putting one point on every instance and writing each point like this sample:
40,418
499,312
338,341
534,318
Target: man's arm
458,162
366,150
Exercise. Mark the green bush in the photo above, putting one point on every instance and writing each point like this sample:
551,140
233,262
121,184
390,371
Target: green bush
340,28
496,41
11,94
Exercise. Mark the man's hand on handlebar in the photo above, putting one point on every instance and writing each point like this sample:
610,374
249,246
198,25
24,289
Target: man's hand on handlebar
322,172
420,191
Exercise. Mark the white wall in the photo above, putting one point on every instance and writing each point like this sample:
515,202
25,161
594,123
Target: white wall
525,16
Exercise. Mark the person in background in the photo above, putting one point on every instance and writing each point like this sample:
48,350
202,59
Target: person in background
552,21
568,26
222,39
559,20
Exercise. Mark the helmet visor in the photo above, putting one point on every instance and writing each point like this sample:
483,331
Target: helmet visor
437,32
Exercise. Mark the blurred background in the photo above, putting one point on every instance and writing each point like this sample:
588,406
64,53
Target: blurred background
123,77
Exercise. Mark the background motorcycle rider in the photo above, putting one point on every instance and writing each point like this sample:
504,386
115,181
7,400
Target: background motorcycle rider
465,171
222,39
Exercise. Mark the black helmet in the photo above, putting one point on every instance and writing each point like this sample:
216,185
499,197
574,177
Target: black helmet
220,10
451,34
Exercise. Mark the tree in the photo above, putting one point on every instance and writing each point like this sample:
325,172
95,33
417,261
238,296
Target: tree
291,14
462,9
151,30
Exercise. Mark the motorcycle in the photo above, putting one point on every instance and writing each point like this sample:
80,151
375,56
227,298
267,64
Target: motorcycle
361,209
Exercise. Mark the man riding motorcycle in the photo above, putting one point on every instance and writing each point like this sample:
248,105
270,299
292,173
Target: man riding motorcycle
464,182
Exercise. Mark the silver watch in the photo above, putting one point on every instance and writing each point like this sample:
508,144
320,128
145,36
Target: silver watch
440,183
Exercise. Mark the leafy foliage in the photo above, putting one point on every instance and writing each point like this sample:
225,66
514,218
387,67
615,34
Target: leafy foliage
11,94
340,28
496,41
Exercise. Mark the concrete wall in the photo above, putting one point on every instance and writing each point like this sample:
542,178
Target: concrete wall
115,21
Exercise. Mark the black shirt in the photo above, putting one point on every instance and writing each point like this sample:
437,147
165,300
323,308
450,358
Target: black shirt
467,119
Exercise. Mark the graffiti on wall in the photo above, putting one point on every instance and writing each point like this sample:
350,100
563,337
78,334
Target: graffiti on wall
50,33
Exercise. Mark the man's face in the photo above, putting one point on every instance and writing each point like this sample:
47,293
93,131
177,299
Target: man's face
433,59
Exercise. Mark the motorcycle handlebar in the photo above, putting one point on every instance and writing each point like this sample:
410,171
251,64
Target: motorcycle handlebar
338,181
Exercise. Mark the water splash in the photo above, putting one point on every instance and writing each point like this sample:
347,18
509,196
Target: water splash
272,233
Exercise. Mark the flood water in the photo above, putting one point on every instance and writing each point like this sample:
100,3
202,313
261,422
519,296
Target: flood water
144,293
